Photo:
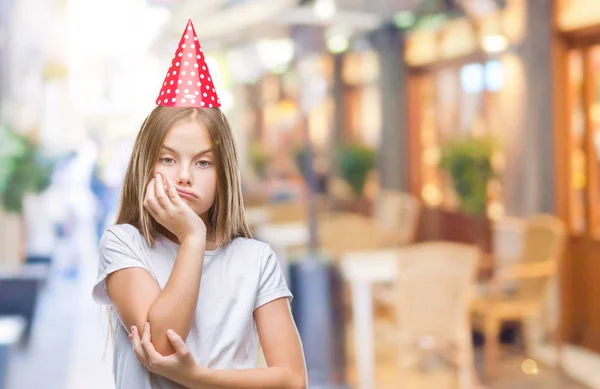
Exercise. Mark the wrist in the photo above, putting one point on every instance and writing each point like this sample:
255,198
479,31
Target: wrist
197,242
198,376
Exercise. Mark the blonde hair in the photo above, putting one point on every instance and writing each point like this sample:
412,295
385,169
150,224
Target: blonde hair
226,216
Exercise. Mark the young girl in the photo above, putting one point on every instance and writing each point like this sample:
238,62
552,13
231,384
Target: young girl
188,287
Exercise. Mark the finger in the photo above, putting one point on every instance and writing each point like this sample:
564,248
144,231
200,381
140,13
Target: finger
150,202
171,191
161,196
151,211
173,195
150,188
137,346
149,350
146,335
144,363
179,345
135,339
149,196
131,336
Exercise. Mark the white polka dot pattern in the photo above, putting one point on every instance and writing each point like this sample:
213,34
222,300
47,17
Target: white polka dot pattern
193,73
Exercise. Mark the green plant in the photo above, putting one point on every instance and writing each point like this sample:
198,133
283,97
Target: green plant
468,162
23,169
355,161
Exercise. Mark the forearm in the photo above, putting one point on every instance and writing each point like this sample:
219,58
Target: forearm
175,306
263,378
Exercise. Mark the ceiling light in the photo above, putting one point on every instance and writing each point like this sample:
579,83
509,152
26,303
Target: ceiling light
338,38
337,44
324,9
275,54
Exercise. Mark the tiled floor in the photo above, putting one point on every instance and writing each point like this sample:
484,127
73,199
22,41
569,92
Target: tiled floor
68,341
510,377
43,362
510,373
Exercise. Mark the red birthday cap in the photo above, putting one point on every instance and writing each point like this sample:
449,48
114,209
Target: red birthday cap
188,82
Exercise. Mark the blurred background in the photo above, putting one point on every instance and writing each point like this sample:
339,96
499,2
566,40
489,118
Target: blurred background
440,160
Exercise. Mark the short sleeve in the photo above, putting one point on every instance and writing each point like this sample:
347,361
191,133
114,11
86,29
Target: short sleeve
271,284
115,253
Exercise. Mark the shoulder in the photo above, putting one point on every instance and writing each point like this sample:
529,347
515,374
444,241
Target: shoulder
125,230
250,250
123,237
120,232
247,245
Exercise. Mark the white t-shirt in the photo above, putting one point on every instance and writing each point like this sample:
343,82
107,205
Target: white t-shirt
236,279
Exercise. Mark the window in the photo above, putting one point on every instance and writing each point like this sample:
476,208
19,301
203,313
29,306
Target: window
584,122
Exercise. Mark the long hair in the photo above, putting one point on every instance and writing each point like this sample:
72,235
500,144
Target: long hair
226,215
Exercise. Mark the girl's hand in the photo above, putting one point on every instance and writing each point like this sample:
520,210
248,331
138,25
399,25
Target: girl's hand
167,208
178,367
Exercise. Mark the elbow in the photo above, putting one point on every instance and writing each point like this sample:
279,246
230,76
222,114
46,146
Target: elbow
161,342
163,348
159,338
298,381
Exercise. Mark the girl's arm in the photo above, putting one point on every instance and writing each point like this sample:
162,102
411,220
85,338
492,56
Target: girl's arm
137,297
283,352
281,345
135,294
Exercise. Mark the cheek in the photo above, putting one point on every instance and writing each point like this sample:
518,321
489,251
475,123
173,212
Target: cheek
164,171
208,182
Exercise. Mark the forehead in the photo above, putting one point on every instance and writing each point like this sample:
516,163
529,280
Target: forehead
188,135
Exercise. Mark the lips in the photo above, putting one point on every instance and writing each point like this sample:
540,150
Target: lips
187,194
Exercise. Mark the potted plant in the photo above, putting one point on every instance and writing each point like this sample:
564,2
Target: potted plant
355,162
468,162
23,170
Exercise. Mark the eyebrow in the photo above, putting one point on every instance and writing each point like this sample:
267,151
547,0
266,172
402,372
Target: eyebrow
171,150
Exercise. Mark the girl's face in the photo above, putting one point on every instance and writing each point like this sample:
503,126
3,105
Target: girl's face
186,158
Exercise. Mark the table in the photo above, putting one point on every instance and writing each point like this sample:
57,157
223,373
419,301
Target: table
360,232
284,235
361,270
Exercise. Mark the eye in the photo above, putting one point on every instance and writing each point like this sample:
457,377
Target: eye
167,160
203,163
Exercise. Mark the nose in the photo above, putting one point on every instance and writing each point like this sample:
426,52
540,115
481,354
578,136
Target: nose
184,178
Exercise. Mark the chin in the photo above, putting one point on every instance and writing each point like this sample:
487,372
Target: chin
199,211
